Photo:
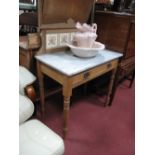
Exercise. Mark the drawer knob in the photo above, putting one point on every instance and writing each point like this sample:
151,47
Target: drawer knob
109,65
86,75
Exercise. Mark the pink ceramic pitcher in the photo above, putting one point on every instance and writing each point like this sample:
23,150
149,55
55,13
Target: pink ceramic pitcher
85,40
86,35
86,28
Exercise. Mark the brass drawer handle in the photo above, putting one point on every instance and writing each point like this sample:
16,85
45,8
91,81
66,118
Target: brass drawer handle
109,65
86,75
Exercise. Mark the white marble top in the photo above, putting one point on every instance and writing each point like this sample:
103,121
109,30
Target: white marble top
68,64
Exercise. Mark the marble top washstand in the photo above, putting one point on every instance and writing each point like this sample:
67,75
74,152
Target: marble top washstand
68,64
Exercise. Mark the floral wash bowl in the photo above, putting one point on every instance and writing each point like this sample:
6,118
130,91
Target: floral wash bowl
86,52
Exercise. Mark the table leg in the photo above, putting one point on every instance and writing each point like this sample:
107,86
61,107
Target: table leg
41,89
66,115
111,86
115,85
67,92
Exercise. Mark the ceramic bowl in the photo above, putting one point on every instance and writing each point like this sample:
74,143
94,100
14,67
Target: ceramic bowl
86,52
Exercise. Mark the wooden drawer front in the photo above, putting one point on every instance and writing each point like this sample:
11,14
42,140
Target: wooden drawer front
93,73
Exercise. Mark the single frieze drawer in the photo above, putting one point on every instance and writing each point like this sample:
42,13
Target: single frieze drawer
93,73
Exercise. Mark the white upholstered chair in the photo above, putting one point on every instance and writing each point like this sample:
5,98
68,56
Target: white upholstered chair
34,137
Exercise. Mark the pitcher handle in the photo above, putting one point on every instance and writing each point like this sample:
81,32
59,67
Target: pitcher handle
94,27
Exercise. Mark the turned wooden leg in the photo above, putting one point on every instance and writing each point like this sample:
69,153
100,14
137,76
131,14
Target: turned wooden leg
67,92
66,115
115,85
110,86
41,89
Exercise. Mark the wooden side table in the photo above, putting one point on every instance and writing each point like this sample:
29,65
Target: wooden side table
71,71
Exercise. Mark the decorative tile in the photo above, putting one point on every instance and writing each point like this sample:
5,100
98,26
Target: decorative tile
64,38
51,40
72,36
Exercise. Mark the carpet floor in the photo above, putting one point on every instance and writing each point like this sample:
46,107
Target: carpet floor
93,128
